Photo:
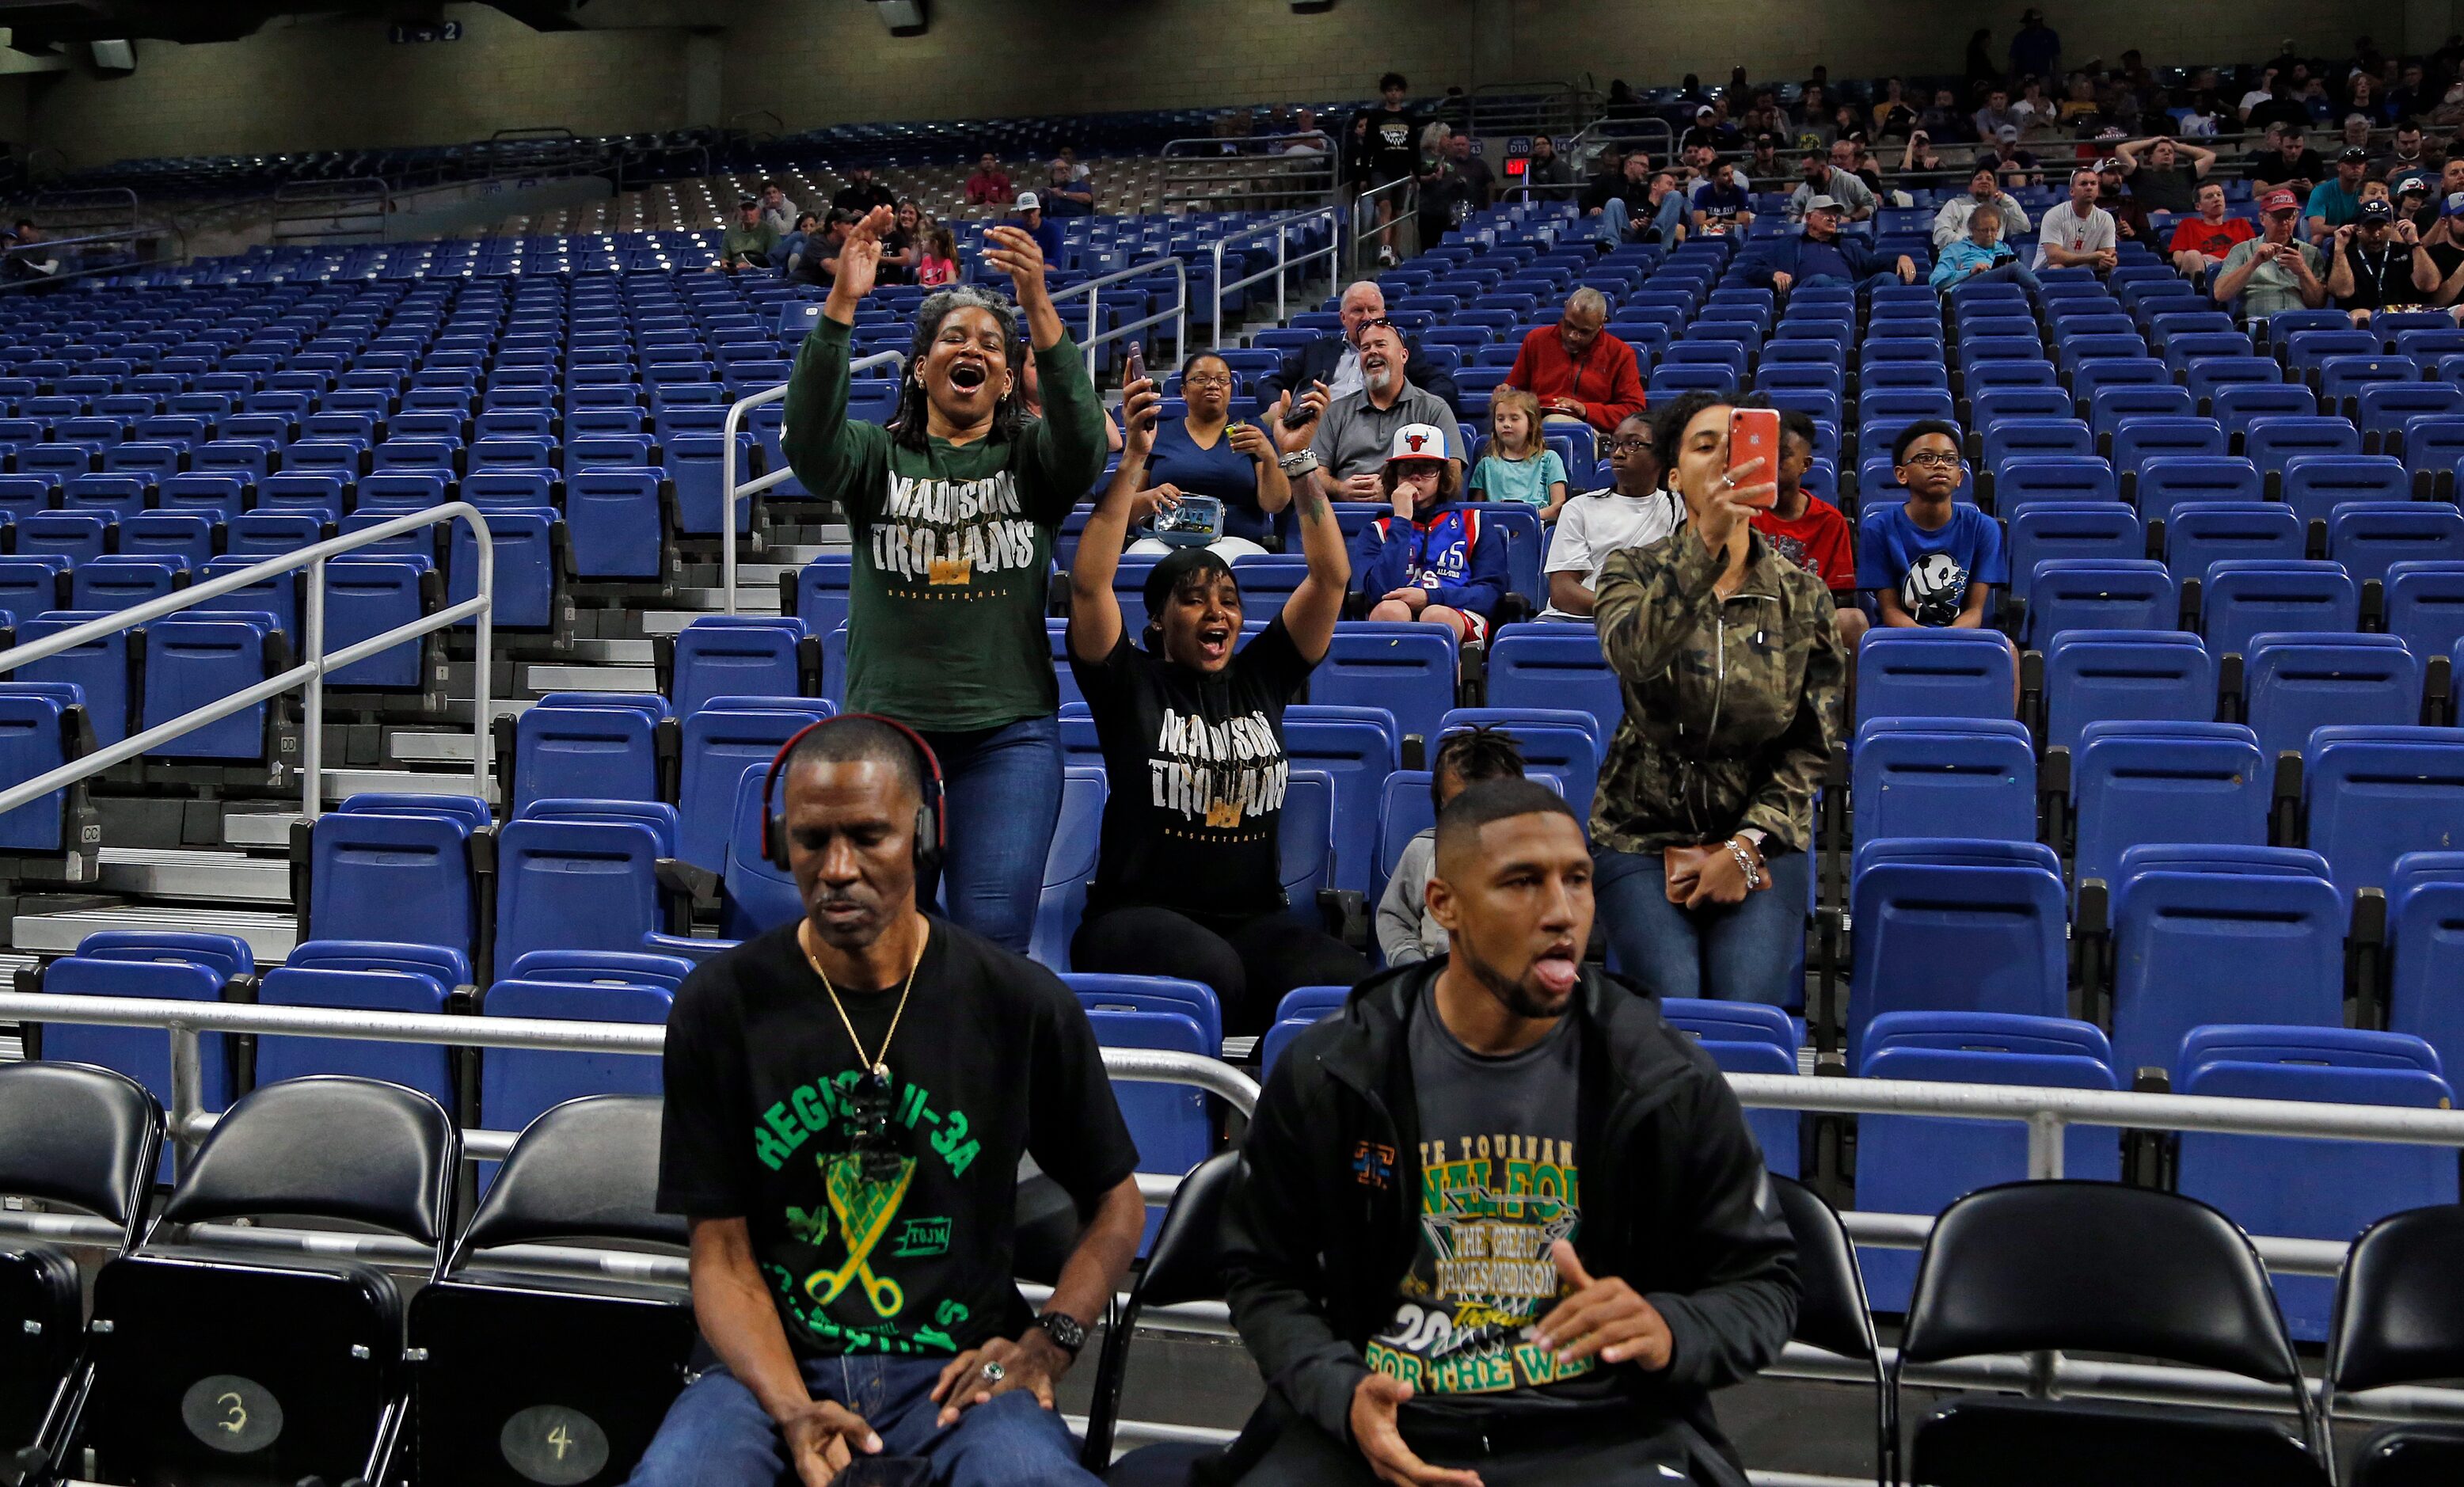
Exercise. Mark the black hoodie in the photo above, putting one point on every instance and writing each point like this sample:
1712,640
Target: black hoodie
1321,1228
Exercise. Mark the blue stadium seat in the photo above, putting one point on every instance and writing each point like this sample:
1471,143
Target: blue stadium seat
383,870
2200,533
2425,605
2200,944
2426,941
1920,1165
721,740
1170,1123
42,727
1742,1042
576,884
692,462
2315,485
193,661
2374,794
616,520
2367,537
2052,477
1408,669
2108,594
1934,778
608,752
1360,754
2168,481
1966,926
2180,782
517,1085
1559,741
2054,529
426,1067
1553,665
529,558
367,596
1069,865
2297,681
165,973
99,669
2249,596
1934,673
124,582
755,893
172,533
2311,1189
741,656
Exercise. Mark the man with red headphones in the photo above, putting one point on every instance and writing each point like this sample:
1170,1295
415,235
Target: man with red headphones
848,1101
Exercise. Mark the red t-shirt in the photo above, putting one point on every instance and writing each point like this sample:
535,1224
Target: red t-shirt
1819,541
2193,235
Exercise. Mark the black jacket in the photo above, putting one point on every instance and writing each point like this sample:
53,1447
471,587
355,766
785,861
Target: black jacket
1322,1225
1316,362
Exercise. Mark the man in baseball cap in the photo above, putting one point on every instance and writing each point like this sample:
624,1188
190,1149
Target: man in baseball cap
1047,232
1433,559
2439,257
2370,266
2338,203
2272,272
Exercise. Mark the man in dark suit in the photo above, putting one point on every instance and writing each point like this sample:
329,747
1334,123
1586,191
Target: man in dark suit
1335,360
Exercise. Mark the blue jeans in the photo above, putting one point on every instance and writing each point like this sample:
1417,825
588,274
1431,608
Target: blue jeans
2012,272
1727,952
1611,230
1002,797
1886,277
717,1434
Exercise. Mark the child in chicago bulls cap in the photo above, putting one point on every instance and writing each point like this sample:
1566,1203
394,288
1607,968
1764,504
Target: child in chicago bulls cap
1432,560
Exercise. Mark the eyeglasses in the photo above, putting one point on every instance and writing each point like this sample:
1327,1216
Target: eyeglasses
1207,379
1933,459
1630,446
868,1128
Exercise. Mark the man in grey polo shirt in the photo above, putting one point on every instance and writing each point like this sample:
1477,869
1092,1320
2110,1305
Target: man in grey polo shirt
1341,453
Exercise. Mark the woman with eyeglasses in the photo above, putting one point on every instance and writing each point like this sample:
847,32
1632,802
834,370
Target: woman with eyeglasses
1209,452
1732,673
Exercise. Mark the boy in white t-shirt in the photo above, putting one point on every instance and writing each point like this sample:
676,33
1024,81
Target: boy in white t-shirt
1634,513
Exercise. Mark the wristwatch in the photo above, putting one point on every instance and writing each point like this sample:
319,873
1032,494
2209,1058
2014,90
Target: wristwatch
1067,1332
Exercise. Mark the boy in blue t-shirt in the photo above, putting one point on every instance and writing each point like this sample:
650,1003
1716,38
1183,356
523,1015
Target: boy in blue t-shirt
1929,561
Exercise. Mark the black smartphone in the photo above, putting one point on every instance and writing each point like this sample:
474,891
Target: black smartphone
886,1471
1300,415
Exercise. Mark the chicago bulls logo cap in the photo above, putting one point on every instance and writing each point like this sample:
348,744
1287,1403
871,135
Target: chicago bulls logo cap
1418,441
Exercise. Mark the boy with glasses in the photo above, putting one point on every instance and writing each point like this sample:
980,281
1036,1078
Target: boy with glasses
1930,560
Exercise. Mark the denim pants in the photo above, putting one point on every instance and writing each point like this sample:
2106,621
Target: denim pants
1611,230
2012,272
1727,952
717,1434
1000,799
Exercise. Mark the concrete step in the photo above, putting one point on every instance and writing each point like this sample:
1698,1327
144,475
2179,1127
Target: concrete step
417,748
667,621
591,679
202,876
798,553
272,937
340,783
613,652
748,601
258,828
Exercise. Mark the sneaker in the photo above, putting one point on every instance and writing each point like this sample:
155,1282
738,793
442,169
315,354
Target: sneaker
1386,255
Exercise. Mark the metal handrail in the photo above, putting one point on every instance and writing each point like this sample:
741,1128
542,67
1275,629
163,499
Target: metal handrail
1405,192
1282,228
1093,289
730,492
312,668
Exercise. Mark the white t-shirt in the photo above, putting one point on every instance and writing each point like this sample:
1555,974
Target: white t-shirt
1596,525
2253,98
2061,225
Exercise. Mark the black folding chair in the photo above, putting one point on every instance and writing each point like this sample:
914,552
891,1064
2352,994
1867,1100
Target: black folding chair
1182,1267
2098,1267
81,1137
1833,1314
2400,1320
221,1366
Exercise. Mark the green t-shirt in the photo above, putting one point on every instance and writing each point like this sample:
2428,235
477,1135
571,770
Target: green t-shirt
953,542
754,243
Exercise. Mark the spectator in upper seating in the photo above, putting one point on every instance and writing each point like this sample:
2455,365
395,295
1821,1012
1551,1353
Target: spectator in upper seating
1579,372
1892,116
775,210
938,267
2205,119
902,246
1479,182
2404,155
28,261
1545,166
1207,451
1942,118
954,506
2162,182
817,261
1435,559
1852,199
1406,932
1984,188
2370,262
1809,531
1733,672
862,192
2034,112
1334,359
1996,116
1919,157
1822,255
1529,1370
1519,465
1980,256
1930,562
1067,158
2287,162
2273,270
781,1107
2282,109
1066,196
2426,214
2131,224
746,244
2438,259
2078,231
1620,186
2016,166
1347,437
1661,216
2200,243
989,185
1187,877
2356,134
2036,48
1721,205
1037,224
1764,163
807,225
1392,153
1633,511
2336,203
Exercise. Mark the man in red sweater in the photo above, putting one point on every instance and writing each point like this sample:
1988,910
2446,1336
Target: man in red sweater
1580,373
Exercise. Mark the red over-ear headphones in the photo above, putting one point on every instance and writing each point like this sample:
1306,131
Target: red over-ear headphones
932,836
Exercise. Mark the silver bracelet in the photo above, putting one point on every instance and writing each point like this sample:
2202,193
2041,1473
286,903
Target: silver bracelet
1294,466
1744,863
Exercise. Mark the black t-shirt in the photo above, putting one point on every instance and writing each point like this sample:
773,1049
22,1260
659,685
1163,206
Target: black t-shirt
860,197
1198,772
1393,142
2173,189
993,1059
2447,259
2380,279
2269,166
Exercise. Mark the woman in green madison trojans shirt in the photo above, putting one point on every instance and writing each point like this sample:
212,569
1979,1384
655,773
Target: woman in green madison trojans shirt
953,509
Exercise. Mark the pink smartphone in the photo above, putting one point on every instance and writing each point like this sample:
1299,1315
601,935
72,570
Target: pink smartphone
1134,364
1753,435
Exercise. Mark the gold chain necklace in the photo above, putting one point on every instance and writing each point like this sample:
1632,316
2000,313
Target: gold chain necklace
878,1065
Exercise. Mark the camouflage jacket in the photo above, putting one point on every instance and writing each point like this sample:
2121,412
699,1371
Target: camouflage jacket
1732,706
